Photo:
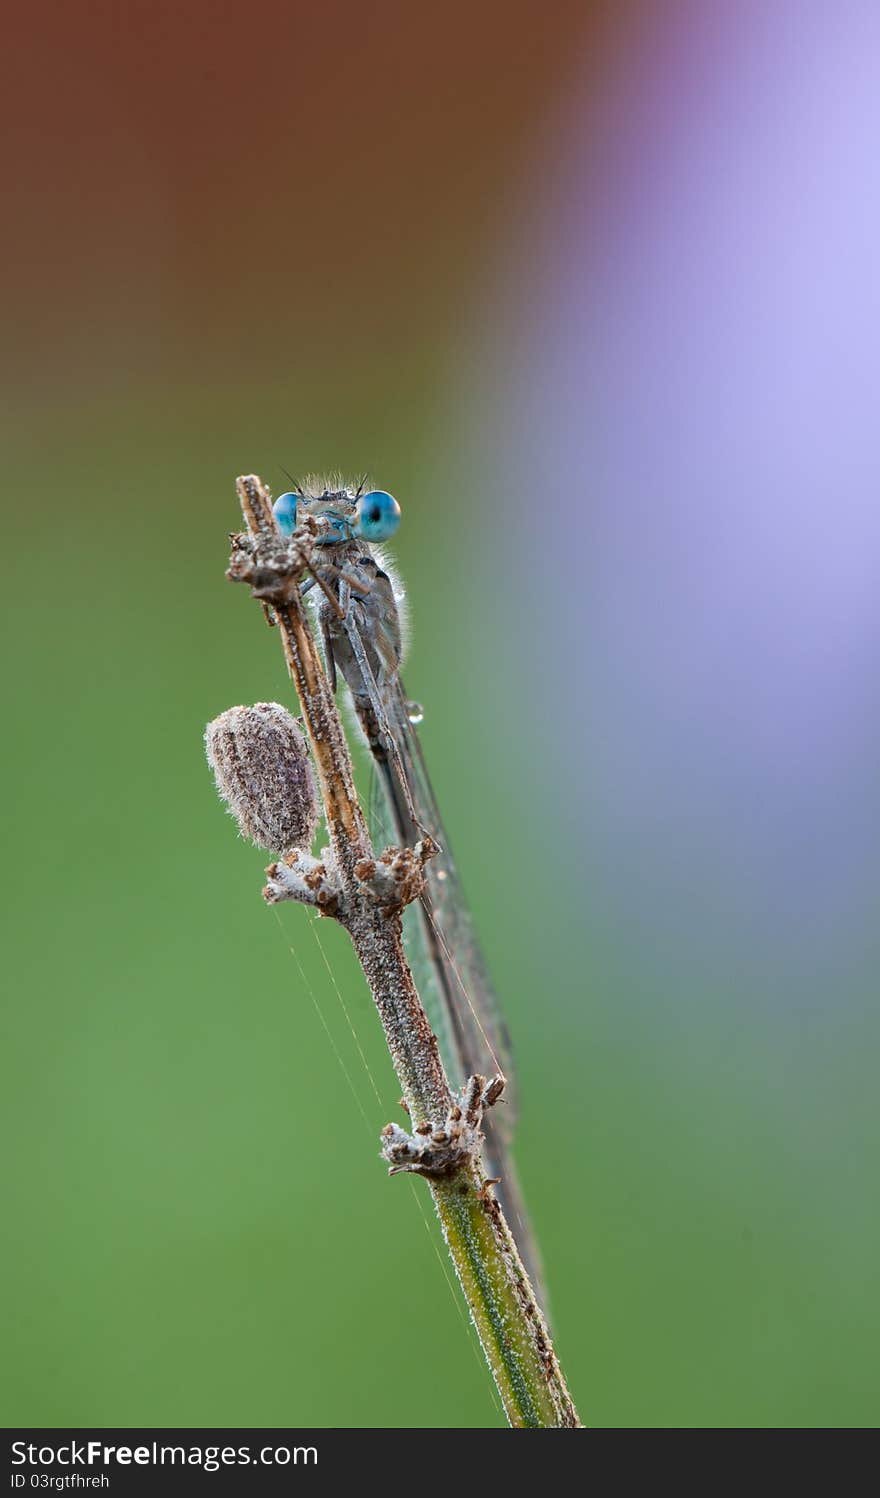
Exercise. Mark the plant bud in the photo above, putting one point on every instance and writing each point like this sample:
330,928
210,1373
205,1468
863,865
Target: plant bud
261,764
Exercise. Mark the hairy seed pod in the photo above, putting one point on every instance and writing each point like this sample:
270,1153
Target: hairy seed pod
261,764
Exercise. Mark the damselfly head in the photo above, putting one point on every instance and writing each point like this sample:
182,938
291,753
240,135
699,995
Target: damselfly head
351,514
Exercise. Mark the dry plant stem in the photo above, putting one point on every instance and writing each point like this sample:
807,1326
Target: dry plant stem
377,938
507,1317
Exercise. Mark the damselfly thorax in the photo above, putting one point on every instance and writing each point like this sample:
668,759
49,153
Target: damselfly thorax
371,608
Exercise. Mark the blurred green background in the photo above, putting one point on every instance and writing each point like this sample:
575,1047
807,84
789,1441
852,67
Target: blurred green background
251,240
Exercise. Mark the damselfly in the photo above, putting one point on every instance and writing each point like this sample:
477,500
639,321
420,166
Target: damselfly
359,602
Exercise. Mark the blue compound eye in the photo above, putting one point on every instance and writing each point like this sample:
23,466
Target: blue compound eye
284,510
376,516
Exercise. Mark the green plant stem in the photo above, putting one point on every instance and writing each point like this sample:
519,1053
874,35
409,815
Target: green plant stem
506,1314
509,1322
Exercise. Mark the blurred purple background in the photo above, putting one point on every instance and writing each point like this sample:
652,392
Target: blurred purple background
685,432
